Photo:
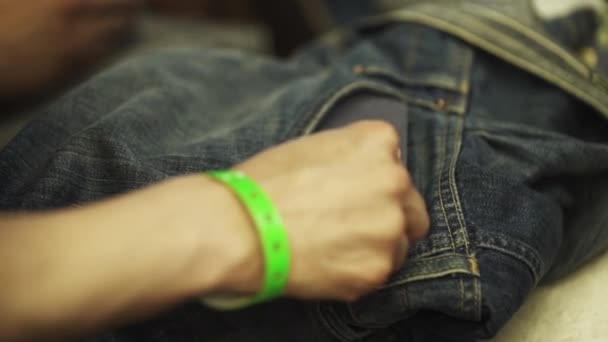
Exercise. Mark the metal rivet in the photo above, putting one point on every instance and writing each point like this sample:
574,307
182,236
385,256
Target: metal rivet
359,69
441,104
590,57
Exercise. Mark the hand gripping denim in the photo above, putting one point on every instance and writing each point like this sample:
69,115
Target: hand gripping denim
513,165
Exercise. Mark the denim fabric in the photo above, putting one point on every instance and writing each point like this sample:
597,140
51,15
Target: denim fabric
364,106
576,30
509,30
346,11
513,166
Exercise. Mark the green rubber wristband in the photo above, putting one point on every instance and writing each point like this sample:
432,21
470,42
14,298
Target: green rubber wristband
272,235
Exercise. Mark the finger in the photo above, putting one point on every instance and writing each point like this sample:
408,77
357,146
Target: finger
388,139
399,155
378,134
401,253
417,216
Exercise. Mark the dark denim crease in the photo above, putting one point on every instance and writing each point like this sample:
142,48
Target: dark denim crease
575,31
512,161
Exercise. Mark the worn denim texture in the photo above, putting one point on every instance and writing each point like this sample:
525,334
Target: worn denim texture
506,141
576,30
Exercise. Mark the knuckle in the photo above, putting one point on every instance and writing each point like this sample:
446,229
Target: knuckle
425,223
389,134
380,273
382,131
400,179
420,231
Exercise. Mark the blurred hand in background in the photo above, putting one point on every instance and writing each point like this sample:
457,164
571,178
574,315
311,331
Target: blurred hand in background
46,41
233,10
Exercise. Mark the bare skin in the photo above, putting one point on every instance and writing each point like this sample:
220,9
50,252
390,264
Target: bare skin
134,255
42,41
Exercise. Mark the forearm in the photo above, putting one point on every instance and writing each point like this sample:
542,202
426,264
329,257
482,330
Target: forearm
115,261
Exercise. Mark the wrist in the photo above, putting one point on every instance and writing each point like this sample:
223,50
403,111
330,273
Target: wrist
230,254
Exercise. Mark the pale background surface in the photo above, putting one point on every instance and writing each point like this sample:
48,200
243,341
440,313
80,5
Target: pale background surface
573,310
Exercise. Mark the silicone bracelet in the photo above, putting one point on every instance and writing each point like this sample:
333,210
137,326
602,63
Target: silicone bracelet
272,235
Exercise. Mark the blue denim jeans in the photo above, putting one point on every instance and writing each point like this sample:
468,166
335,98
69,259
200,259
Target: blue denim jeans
513,165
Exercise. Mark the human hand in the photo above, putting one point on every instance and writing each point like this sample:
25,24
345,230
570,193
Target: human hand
43,40
348,205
